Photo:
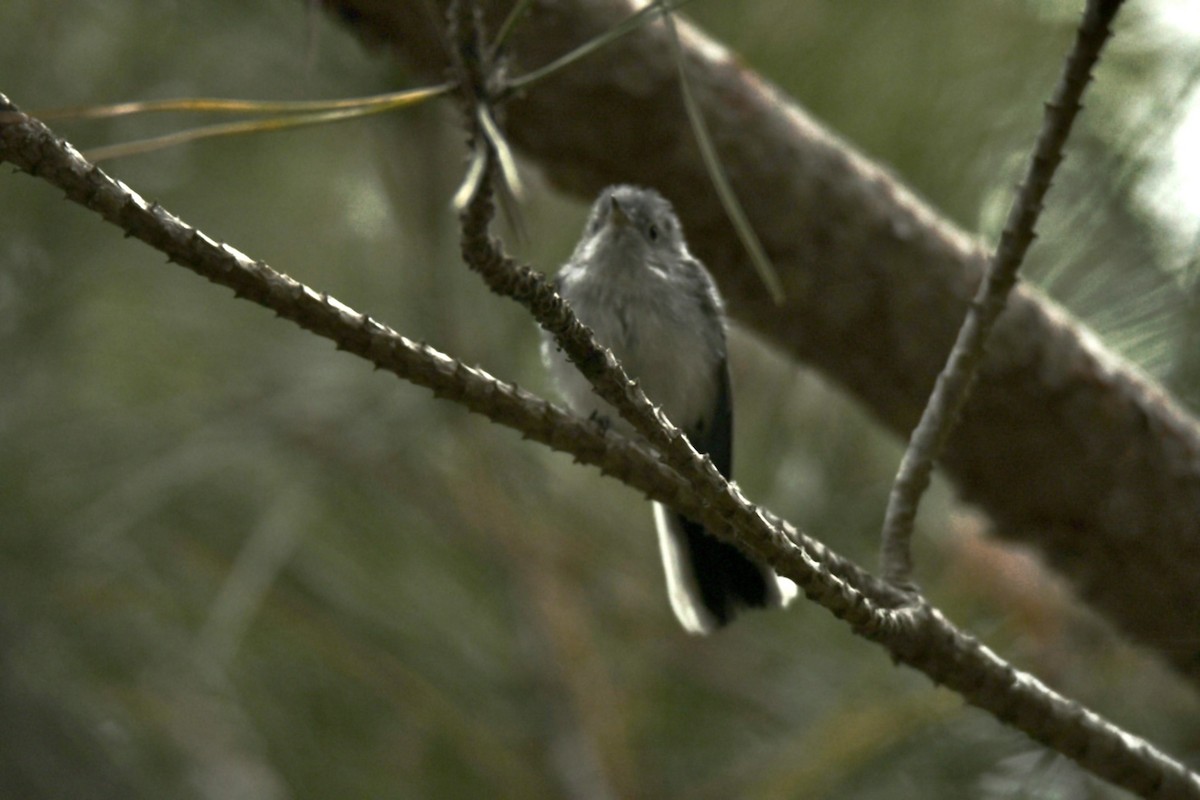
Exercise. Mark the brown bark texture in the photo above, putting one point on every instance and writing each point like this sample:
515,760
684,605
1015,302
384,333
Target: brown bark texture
1062,444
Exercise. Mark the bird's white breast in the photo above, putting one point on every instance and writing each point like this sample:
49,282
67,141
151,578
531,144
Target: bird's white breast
659,335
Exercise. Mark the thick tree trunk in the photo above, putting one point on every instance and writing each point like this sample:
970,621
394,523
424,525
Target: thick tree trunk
1062,444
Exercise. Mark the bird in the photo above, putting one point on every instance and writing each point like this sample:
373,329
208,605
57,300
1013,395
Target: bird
633,282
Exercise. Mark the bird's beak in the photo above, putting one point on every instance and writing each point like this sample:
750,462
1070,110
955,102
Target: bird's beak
616,215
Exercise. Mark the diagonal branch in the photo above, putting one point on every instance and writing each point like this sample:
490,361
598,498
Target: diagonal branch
957,378
920,637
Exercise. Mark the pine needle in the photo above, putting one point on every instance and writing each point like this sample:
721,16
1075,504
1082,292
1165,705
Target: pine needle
716,171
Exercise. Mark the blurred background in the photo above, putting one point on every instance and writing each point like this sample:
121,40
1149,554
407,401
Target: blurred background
235,563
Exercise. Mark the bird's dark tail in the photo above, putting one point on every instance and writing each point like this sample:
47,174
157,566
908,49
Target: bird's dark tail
710,581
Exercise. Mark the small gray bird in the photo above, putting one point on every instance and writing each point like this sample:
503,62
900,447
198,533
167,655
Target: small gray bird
632,281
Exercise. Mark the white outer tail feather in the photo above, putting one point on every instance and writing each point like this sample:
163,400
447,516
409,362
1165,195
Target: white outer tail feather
682,588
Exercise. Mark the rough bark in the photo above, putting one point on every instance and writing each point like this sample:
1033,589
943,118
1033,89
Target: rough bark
1065,446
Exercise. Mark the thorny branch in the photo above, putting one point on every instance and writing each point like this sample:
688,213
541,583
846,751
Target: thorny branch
958,376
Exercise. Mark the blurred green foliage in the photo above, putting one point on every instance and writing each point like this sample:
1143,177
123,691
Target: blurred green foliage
237,564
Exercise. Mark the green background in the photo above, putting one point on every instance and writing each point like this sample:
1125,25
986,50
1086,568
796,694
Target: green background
236,563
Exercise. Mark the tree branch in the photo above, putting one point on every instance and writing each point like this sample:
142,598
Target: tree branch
957,378
1063,445
918,636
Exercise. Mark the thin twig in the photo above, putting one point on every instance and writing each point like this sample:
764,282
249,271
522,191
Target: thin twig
519,9
627,25
957,377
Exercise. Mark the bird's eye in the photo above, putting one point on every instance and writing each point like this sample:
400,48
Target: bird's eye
652,232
